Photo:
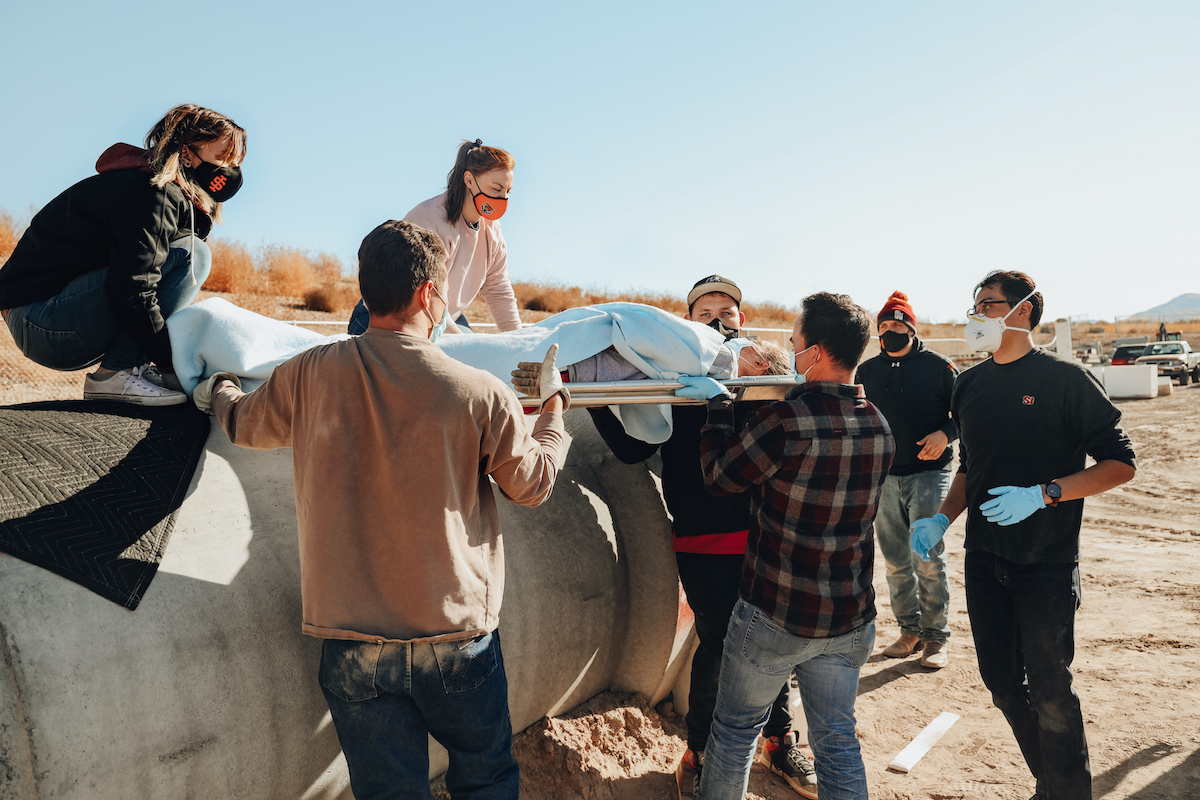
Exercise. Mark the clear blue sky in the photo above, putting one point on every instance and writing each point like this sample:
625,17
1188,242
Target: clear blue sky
795,147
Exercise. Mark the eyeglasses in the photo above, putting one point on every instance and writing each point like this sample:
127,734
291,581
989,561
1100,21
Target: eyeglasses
982,306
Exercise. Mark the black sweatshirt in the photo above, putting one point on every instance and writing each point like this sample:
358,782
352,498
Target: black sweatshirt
115,220
1025,423
695,511
913,393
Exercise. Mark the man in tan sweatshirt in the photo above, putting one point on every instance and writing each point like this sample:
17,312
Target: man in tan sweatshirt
401,557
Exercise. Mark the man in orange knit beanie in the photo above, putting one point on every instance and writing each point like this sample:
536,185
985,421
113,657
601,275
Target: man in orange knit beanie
911,386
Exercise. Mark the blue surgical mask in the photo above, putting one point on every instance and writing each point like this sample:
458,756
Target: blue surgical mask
802,377
438,327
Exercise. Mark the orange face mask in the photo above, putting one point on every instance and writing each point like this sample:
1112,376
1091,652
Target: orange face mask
489,207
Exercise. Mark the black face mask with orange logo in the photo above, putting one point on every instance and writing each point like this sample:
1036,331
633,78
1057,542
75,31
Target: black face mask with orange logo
220,183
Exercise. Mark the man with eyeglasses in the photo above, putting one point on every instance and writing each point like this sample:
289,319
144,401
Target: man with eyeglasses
710,544
1026,419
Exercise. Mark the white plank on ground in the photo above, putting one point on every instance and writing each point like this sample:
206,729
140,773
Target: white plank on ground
926,739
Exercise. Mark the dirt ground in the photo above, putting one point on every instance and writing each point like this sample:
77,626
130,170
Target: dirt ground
1138,642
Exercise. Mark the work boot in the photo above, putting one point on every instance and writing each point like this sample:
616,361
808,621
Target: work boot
783,757
129,386
934,655
906,645
687,774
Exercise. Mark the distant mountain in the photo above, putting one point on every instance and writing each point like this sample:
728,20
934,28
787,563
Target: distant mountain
1184,307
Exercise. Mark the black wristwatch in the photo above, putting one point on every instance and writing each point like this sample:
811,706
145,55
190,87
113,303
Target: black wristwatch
1054,492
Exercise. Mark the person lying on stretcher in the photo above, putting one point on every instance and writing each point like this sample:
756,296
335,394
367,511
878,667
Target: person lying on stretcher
739,358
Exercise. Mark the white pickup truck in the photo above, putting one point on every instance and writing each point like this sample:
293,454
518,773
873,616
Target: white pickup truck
1175,359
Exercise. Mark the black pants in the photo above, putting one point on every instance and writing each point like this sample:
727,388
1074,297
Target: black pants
1023,621
711,585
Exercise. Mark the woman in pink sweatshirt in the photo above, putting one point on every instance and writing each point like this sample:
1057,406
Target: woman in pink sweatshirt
467,219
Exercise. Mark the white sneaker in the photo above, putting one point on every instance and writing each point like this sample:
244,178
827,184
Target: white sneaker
129,386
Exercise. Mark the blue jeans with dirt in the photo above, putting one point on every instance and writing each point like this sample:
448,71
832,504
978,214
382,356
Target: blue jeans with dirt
1023,621
919,590
77,328
387,698
758,658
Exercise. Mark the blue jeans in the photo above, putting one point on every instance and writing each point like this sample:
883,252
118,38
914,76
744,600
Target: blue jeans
387,698
759,656
77,327
1023,621
711,585
920,590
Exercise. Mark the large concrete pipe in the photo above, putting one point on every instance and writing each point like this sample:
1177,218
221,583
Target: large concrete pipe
209,689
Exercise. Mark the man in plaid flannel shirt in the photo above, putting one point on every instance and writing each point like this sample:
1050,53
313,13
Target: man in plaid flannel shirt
815,464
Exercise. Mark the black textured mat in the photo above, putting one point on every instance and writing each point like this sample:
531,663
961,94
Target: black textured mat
90,489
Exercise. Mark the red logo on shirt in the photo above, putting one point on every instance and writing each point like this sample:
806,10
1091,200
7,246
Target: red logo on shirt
1027,400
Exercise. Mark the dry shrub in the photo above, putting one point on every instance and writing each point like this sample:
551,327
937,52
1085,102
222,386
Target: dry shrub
332,296
767,315
10,232
288,270
232,268
552,298
666,302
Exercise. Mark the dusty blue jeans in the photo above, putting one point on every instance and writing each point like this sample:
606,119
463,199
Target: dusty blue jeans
76,328
758,658
920,590
387,698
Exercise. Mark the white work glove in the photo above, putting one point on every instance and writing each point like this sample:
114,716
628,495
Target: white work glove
541,380
202,394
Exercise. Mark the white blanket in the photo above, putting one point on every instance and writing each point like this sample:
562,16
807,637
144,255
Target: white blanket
216,336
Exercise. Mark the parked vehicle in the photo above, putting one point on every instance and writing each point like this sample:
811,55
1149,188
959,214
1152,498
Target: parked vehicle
1127,354
1174,359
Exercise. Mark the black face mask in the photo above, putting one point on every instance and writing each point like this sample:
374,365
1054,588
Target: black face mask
894,342
723,329
220,183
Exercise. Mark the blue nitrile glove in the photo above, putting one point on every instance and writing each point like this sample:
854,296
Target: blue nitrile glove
926,533
1012,504
699,388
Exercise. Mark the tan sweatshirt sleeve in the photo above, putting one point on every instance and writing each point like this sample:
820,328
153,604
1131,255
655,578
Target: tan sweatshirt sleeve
262,419
524,465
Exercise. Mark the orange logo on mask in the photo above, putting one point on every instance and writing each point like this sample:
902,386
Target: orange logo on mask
217,184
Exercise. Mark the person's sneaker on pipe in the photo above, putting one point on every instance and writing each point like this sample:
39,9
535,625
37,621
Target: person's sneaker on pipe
783,757
167,380
130,386
687,774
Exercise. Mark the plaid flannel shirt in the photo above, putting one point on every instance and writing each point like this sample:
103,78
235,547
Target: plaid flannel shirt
815,464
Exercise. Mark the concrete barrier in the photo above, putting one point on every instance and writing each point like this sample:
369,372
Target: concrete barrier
1165,386
1135,381
209,689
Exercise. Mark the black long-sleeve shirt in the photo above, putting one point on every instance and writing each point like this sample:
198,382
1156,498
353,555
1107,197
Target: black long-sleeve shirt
913,393
695,511
116,220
